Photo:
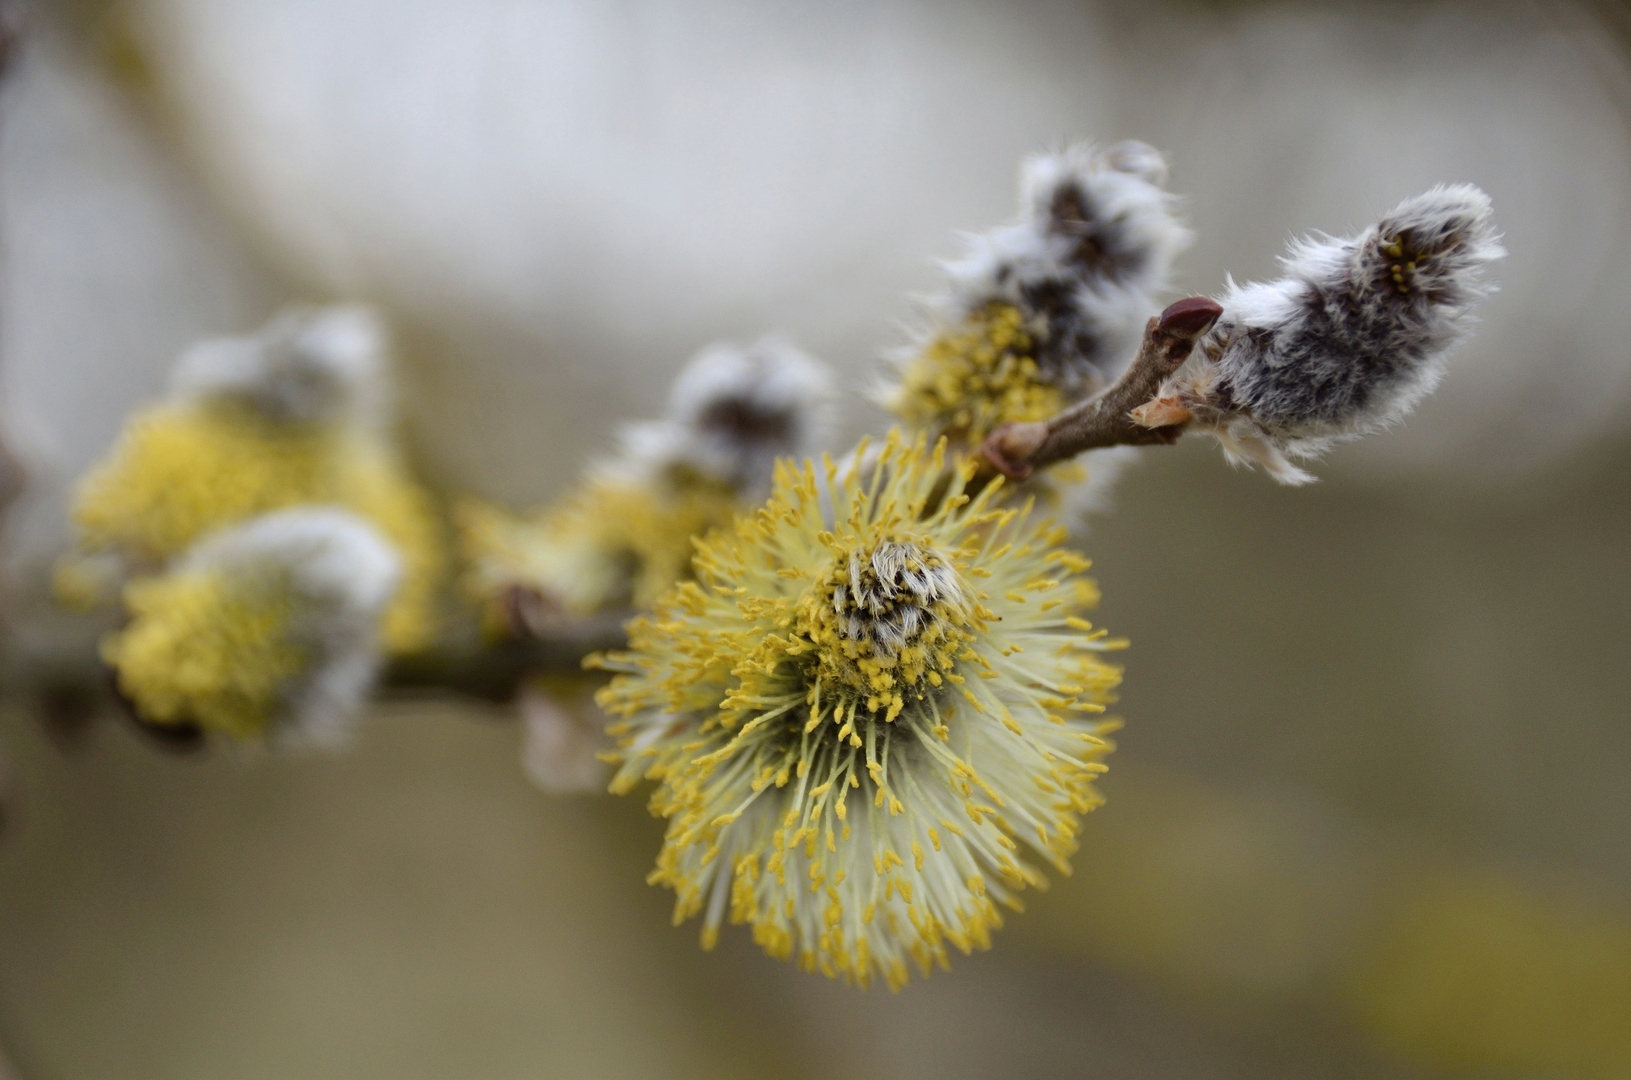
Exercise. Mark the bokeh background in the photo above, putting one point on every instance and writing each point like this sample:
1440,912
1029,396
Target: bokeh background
1371,814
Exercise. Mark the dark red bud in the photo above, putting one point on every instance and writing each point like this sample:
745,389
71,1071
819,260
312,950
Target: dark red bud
1189,318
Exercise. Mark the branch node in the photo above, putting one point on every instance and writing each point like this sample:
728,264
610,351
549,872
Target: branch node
1008,447
1124,415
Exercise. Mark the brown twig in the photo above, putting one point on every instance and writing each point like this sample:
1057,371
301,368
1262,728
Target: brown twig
1016,450
495,672
78,686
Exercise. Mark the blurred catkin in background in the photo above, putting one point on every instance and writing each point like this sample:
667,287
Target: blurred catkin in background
1367,817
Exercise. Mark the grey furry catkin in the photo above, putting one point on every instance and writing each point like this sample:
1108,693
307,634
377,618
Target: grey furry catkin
1346,343
1086,261
733,410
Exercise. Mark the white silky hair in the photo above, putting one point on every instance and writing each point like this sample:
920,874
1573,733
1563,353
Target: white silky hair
1126,186
894,608
308,364
340,575
1087,261
1349,340
732,411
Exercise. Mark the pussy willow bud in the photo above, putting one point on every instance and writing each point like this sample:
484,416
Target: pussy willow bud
732,412
309,364
266,629
1086,262
1346,343
1042,312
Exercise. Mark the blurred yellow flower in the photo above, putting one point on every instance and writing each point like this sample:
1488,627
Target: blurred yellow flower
274,622
197,652
181,470
611,543
1474,973
624,534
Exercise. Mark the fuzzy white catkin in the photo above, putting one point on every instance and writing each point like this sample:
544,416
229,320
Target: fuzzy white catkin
732,411
308,364
1349,340
1086,262
340,575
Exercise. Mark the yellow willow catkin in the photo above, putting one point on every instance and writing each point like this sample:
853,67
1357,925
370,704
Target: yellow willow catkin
865,720
181,471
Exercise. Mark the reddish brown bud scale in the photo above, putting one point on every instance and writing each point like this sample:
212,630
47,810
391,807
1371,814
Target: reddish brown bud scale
1190,317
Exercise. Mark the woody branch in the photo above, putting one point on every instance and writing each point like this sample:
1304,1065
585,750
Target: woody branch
1018,449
